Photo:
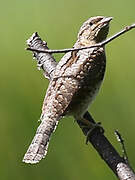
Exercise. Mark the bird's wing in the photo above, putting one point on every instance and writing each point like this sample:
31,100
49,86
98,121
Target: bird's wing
65,83
58,97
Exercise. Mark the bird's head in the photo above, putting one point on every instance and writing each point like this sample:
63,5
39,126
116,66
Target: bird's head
94,30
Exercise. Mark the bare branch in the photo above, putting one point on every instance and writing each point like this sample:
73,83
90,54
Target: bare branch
121,140
126,29
44,60
107,152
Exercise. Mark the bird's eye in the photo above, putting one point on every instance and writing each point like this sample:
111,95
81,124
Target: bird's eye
91,23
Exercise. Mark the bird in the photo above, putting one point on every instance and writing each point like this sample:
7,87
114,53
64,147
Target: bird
75,83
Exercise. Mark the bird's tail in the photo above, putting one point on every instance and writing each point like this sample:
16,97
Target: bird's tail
38,148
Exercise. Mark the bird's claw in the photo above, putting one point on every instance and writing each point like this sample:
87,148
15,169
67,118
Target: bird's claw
90,131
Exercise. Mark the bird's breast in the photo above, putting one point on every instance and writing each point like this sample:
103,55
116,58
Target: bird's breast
89,77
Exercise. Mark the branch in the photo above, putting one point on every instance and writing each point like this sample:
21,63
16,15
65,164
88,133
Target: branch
121,141
44,60
126,29
107,152
102,145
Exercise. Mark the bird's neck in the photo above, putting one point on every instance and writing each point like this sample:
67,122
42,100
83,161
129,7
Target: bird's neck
83,42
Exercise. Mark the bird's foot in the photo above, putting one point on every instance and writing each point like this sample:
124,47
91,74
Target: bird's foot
92,128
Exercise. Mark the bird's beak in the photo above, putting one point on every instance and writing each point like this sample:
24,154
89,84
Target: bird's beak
106,20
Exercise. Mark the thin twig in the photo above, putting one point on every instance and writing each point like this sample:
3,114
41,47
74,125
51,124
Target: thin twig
121,140
126,29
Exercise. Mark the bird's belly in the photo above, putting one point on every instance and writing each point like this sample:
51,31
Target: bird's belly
82,99
88,80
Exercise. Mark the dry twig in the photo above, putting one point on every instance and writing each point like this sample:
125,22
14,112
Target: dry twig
126,29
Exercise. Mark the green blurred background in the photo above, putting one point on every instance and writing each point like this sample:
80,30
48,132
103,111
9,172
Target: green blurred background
23,88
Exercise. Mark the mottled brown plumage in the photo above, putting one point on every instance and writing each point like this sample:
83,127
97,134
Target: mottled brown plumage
75,83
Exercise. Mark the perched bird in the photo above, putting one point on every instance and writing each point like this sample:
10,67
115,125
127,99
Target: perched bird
75,83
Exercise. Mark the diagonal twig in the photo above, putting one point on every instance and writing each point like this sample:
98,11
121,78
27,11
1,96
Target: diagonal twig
121,141
126,29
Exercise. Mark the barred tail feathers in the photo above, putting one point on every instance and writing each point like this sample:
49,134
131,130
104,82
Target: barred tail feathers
38,148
